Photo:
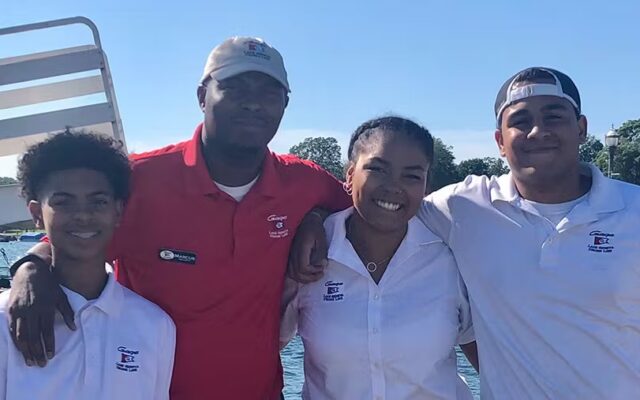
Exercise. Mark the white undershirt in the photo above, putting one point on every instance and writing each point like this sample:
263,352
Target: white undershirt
237,192
554,213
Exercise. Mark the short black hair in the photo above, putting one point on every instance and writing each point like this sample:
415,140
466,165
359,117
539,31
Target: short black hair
73,150
390,124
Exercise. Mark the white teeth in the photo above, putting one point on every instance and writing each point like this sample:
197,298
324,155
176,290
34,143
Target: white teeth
388,206
84,235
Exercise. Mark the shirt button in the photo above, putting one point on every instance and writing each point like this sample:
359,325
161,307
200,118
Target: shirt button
376,297
375,331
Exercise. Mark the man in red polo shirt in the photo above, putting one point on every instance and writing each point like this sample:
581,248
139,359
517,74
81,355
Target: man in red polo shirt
205,235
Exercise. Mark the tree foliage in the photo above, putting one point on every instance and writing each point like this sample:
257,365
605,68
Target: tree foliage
590,149
482,166
324,151
630,130
5,180
626,161
443,170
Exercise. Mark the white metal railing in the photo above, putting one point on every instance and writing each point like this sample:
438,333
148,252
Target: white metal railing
16,133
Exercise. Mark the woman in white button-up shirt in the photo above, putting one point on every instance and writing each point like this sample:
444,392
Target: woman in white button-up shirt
383,321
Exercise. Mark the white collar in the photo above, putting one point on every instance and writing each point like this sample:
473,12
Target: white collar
109,301
604,196
341,250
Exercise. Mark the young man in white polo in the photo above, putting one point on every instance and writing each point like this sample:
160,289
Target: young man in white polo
550,254
123,345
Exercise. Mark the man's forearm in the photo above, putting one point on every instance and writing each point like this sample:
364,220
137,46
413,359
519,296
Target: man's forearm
42,253
319,213
42,250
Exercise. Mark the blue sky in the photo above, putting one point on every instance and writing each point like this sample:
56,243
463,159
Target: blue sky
440,63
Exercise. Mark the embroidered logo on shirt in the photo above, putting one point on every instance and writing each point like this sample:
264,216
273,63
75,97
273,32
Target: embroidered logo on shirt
127,361
178,256
278,226
601,242
333,292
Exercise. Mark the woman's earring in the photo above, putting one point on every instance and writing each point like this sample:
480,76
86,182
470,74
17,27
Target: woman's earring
347,188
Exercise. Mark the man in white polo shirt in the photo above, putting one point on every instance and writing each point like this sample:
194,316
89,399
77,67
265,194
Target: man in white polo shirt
550,254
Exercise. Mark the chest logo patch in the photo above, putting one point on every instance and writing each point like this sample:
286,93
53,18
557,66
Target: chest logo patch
177,256
128,359
334,291
601,242
278,228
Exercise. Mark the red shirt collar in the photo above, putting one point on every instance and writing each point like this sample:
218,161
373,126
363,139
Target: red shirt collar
198,182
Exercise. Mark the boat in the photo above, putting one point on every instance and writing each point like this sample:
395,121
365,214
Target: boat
31,236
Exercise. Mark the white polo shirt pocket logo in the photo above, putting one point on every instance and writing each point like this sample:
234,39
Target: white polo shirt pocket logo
601,242
334,291
128,359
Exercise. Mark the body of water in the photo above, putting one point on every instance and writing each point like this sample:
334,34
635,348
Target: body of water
292,355
13,251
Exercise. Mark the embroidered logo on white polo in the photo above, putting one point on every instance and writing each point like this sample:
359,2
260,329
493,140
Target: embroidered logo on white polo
334,291
601,242
128,359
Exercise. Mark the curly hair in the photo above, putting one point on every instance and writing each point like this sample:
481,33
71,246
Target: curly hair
390,124
72,150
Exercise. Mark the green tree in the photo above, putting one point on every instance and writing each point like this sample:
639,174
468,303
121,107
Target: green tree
5,180
630,130
473,166
590,149
443,170
324,151
497,166
482,166
626,161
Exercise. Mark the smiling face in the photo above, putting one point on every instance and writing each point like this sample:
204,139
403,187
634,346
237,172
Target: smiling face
388,179
78,210
540,137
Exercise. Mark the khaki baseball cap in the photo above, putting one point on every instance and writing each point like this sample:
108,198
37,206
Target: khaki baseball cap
240,54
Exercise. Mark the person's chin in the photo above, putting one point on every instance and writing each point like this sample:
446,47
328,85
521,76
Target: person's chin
388,222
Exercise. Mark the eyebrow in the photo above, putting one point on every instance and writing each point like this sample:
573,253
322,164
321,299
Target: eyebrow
380,160
66,194
520,113
411,167
555,106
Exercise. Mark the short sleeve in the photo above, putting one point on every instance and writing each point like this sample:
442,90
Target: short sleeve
332,196
465,326
435,213
166,360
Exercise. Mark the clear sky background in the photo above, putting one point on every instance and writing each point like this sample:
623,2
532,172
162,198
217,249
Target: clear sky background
439,62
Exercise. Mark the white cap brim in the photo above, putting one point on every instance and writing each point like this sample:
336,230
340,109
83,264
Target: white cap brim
237,69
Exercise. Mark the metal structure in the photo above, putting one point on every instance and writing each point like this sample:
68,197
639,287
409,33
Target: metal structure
19,132
611,141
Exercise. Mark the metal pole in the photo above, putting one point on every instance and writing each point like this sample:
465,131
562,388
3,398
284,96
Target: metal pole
612,150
